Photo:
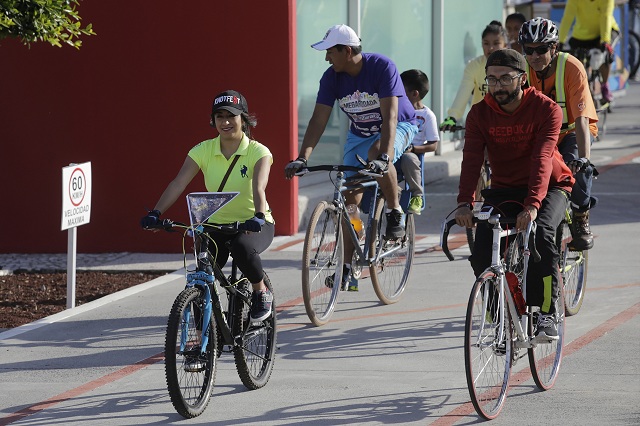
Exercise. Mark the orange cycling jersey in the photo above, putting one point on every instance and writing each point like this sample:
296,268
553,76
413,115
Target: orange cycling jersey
579,102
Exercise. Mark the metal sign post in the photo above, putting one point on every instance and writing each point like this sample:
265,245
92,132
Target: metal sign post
76,211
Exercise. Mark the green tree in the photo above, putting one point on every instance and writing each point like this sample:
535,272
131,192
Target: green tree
53,21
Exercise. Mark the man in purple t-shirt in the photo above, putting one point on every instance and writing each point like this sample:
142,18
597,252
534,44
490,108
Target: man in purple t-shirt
382,125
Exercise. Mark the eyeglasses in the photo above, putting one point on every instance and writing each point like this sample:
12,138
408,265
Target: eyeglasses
540,50
505,80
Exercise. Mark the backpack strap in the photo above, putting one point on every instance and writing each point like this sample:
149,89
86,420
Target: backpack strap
226,176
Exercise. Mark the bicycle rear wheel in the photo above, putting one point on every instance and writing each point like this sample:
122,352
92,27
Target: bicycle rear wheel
322,261
189,373
255,345
545,358
573,267
390,272
487,350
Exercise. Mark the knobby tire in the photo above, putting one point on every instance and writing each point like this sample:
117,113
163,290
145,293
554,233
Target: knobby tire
190,392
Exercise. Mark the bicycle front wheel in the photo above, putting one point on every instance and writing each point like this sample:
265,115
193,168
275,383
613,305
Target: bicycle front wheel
393,258
573,267
514,259
322,260
487,347
189,371
255,348
545,358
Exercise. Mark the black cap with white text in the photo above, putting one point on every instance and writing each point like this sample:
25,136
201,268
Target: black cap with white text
231,101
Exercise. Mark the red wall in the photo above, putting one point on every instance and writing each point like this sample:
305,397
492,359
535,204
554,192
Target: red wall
133,100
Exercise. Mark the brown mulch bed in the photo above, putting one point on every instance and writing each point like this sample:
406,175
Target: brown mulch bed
26,297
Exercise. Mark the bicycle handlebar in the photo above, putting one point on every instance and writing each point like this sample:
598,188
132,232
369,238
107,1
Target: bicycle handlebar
168,225
446,227
338,168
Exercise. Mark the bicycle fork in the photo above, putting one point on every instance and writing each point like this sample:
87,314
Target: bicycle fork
202,280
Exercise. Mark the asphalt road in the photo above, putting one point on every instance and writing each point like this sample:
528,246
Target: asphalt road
372,364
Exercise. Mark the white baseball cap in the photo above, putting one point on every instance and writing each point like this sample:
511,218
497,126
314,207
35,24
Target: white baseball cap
338,34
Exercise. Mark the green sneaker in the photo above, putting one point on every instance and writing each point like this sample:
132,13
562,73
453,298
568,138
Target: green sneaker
353,284
415,205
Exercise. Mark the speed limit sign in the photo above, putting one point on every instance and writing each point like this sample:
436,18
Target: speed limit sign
76,195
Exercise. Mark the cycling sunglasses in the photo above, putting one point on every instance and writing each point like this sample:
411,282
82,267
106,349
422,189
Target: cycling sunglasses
540,50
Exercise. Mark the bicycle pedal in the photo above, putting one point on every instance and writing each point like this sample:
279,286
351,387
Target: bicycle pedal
194,365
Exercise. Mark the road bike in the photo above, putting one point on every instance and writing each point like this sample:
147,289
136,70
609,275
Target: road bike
499,327
573,265
200,328
388,261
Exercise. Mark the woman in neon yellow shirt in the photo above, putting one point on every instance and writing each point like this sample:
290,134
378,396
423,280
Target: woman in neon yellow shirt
250,164
593,26
494,37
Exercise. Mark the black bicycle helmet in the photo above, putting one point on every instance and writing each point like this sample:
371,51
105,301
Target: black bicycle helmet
538,30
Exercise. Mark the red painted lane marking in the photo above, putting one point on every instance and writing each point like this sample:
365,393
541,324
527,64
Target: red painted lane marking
87,387
288,244
618,162
464,410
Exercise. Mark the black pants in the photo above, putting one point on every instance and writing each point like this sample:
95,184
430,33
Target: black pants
245,248
543,278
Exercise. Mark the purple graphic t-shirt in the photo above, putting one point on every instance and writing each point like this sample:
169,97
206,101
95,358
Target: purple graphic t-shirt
359,96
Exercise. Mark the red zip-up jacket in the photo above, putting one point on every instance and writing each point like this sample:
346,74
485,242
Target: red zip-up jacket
521,147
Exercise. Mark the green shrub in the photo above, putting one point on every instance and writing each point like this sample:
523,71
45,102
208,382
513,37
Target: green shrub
53,21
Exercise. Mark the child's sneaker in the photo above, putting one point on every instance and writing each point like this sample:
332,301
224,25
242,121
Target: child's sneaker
353,284
415,205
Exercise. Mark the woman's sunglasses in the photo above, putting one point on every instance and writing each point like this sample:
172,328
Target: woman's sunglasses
540,50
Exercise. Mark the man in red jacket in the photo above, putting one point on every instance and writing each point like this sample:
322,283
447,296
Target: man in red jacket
529,180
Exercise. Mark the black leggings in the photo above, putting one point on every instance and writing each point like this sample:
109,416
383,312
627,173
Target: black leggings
245,248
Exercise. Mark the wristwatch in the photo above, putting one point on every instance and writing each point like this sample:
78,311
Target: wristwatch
384,157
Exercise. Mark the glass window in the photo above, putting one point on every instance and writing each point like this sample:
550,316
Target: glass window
405,36
464,23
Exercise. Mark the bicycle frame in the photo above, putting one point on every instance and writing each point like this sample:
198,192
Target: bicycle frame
363,254
498,267
339,202
205,278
